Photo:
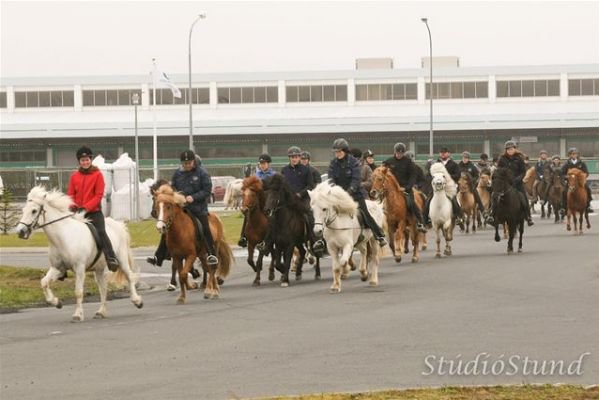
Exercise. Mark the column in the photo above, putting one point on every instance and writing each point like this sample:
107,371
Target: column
487,146
563,86
421,89
49,157
492,89
213,95
351,91
562,148
10,98
78,98
146,101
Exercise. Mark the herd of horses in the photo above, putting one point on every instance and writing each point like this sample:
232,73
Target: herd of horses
275,214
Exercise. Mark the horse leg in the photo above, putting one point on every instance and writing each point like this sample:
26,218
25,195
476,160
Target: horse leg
178,265
373,262
336,267
317,269
423,240
126,266
250,259
521,232
79,282
399,241
287,255
448,236
102,288
172,286
415,244
510,242
505,230
51,276
586,216
363,268
568,226
438,240
497,237
300,263
581,214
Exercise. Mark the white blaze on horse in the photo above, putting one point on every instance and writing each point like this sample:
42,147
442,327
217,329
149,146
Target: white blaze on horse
440,211
336,218
72,246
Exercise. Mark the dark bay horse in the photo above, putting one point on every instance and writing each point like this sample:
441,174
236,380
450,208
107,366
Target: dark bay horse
554,195
183,244
287,226
577,200
508,208
256,225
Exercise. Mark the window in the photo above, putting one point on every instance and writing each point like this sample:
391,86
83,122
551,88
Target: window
3,100
586,86
528,88
112,98
384,92
56,98
248,95
32,99
316,93
458,90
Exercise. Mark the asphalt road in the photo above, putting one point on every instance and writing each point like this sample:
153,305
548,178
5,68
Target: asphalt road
541,304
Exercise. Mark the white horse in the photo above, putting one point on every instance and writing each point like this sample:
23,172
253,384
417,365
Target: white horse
72,246
336,218
233,194
440,210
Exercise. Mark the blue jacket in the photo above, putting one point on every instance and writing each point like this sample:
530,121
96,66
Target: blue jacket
197,184
299,179
346,172
263,175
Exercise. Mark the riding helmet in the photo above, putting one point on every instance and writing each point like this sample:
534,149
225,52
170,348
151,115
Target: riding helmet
509,144
484,156
341,144
543,152
294,151
399,147
84,151
368,153
265,158
357,153
410,154
466,154
305,155
555,157
572,150
444,149
188,155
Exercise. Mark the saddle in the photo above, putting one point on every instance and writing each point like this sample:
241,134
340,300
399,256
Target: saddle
97,240
198,226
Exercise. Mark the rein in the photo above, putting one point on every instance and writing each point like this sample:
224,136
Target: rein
34,224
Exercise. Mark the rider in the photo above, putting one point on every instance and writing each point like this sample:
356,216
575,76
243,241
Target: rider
483,164
454,171
466,166
542,162
86,188
574,162
344,171
195,184
556,161
514,161
369,159
263,171
404,170
305,159
420,179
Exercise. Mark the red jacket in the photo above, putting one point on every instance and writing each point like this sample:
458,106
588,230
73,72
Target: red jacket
87,188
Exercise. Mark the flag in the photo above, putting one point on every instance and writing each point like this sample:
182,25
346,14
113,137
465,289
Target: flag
161,79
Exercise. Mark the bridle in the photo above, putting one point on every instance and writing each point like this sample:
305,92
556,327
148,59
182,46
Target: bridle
380,193
169,221
35,223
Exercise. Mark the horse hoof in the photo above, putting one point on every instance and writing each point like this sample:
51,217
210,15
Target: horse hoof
214,296
271,276
353,267
284,284
99,315
438,255
364,278
171,287
202,286
414,259
311,260
76,318
519,250
180,301
317,278
220,280
424,247
344,276
447,252
497,239
568,228
334,290
139,305
256,283
398,259
373,284
510,252
298,277
59,304
206,296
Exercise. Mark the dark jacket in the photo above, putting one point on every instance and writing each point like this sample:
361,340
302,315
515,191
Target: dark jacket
197,184
315,175
420,179
568,165
453,169
299,179
346,172
404,171
516,165
469,168
540,168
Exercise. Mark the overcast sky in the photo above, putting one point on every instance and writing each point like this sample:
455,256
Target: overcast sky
105,38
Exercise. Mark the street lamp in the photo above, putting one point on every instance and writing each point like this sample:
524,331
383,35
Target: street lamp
189,95
430,61
135,102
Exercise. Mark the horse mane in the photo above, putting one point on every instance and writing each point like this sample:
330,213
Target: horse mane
530,174
253,183
334,196
580,177
504,175
54,198
451,187
278,183
387,172
154,188
166,193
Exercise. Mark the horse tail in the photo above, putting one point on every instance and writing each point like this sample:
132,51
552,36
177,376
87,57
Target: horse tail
227,197
225,257
119,278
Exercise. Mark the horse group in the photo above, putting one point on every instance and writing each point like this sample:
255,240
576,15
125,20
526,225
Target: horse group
275,214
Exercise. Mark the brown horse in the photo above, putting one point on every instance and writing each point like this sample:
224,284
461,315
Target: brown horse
256,225
483,189
577,200
555,194
399,221
183,245
467,201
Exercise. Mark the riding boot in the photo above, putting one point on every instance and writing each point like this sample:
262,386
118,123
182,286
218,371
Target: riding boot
490,219
208,240
525,206
161,253
589,199
243,242
562,210
377,231
97,219
318,245
416,211
425,213
457,213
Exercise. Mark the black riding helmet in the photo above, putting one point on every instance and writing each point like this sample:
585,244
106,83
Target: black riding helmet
188,155
265,158
294,151
484,156
510,144
84,151
341,144
305,155
368,153
399,147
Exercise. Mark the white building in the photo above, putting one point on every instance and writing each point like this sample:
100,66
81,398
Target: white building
238,116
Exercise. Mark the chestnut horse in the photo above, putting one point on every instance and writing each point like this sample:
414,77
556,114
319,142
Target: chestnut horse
400,222
484,192
183,245
577,200
467,201
256,225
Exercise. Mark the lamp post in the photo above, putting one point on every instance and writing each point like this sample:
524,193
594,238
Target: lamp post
430,62
135,102
189,95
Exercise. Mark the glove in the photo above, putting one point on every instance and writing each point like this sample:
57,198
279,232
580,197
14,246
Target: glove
81,211
73,208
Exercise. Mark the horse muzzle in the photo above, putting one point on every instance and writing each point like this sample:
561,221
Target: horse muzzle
23,231
160,227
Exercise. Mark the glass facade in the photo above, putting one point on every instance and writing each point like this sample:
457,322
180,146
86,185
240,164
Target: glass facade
583,87
2,99
458,90
528,88
386,91
316,93
55,98
248,95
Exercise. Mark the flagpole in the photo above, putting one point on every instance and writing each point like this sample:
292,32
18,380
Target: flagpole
154,135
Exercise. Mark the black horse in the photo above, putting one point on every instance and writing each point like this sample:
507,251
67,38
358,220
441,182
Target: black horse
507,207
286,212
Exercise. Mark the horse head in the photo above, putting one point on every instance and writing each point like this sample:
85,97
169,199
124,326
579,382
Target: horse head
438,182
379,177
502,182
484,180
252,192
277,193
464,182
39,201
166,200
576,179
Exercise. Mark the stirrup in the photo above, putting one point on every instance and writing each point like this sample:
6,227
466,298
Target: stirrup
212,260
420,227
243,242
261,246
112,263
153,261
382,241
